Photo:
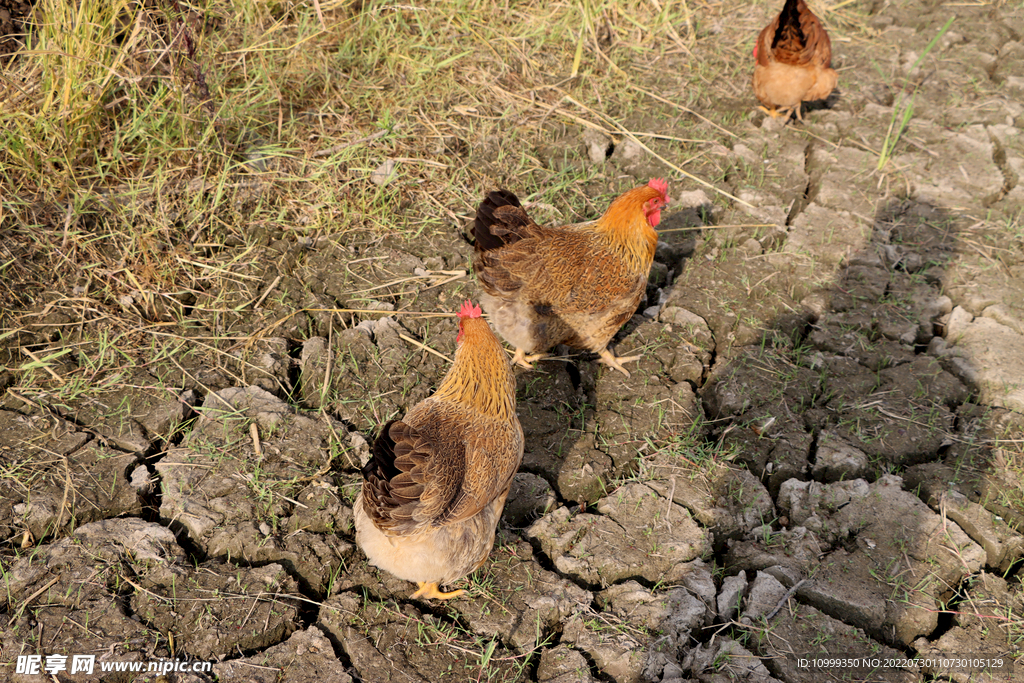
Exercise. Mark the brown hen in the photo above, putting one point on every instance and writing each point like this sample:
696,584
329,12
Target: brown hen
437,480
793,61
574,285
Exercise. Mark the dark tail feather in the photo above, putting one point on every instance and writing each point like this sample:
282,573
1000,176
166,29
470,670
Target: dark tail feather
382,456
486,238
789,25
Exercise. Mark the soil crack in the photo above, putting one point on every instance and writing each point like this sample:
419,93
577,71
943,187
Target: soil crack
802,201
1010,177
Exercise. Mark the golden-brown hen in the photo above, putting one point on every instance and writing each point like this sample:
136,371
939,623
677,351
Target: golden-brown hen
437,480
576,284
793,61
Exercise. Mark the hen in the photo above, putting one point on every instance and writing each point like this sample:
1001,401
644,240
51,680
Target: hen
575,284
437,480
794,60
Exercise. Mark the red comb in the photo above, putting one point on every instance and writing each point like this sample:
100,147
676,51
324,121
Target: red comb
470,311
659,184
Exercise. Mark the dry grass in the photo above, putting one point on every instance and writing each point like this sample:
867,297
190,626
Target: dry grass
140,145
148,132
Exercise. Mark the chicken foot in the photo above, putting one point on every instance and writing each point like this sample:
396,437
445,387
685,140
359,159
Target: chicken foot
429,591
610,359
784,112
526,361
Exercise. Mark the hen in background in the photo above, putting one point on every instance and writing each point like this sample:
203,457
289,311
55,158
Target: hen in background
437,480
793,61
576,284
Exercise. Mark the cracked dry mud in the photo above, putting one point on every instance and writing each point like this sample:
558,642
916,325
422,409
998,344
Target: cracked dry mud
857,349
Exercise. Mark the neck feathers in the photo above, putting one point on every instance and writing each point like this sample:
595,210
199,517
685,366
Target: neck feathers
626,226
481,376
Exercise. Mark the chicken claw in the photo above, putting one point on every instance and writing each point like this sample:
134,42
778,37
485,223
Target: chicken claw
608,358
522,360
784,112
428,591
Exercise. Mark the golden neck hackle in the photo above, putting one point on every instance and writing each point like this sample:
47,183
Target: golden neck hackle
481,376
625,226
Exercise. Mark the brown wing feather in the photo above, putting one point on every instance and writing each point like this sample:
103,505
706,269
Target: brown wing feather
817,45
764,42
394,478
506,270
434,472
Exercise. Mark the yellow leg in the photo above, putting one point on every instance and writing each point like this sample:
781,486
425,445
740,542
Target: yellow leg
521,359
428,590
616,361
785,112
